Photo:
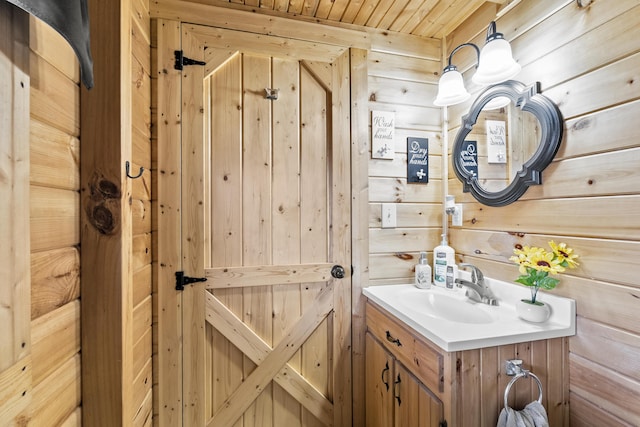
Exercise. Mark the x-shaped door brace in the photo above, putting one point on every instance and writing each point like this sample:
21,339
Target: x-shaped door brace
272,363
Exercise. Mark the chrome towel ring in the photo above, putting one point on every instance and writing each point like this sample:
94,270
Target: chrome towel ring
515,378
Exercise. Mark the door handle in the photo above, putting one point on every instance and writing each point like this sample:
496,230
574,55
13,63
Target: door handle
386,369
338,272
393,340
396,394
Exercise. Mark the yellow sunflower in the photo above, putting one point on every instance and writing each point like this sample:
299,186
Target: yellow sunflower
545,261
564,254
528,257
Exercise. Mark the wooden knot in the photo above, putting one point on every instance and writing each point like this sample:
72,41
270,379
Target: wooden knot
103,205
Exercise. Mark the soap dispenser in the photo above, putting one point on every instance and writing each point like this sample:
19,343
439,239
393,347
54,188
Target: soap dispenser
423,272
443,257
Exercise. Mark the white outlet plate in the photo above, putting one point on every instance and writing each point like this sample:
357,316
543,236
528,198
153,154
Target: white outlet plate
388,215
456,218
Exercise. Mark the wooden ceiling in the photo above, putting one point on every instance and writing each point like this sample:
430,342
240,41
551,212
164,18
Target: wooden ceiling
427,18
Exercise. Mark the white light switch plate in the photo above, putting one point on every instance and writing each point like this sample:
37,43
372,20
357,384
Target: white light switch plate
456,219
388,215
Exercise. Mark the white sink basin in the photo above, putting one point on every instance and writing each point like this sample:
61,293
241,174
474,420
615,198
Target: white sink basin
453,322
451,306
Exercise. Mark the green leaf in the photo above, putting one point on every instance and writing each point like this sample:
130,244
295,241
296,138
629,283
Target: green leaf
548,283
525,280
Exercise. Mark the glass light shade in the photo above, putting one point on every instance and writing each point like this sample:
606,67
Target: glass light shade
496,63
451,88
496,103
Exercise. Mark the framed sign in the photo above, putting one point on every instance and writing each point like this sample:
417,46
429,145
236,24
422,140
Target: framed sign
469,157
382,134
417,160
496,141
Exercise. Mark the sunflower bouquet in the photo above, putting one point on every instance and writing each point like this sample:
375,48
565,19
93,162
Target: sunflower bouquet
536,264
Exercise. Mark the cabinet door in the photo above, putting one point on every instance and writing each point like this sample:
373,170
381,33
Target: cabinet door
378,383
431,411
414,405
405,396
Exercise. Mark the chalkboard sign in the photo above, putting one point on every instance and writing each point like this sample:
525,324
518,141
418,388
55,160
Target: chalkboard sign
417,160
469,156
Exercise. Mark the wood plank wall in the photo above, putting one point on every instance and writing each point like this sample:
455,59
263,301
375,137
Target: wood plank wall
403,77
141,212
408,73
587,60
55,229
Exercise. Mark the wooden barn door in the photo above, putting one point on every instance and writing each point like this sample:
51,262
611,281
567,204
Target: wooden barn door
266,219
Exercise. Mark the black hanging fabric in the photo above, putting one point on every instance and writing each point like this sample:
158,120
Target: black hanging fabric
71,19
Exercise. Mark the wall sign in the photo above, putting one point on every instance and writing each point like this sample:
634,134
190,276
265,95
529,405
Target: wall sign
383,129
417,160
469,157
496,141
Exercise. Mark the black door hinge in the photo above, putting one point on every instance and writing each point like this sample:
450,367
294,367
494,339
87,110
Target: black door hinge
182,280
182,60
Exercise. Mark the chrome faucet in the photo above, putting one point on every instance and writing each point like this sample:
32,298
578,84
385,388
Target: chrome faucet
477,290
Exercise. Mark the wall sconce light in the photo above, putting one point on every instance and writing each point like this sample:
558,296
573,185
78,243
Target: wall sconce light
495,64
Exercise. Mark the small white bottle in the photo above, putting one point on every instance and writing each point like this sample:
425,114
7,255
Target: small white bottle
423,273
451,276
443,256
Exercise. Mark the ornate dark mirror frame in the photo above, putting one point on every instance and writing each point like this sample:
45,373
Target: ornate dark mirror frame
529,99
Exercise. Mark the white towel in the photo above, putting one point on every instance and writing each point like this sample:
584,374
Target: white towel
533,415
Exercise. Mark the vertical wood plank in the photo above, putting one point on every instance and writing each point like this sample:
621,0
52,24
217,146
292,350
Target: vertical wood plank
449,396
14,186
490,367
226,229
286,219
192,194
554,393
314,180
340,230
166,211
256,206
106,272
359,225
505,352
15,300
539,366
471,384
522,388
209,330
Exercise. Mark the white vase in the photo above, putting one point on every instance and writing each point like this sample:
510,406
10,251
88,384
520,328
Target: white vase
537,313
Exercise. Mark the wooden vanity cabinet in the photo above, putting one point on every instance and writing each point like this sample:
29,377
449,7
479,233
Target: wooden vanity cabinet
404,376
395,397
411,382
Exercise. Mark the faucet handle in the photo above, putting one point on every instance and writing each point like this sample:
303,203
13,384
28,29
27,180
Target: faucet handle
476,273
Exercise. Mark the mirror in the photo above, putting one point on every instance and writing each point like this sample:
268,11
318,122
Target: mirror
510,135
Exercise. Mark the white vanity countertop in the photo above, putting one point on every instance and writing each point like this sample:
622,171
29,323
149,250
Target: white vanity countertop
453,322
